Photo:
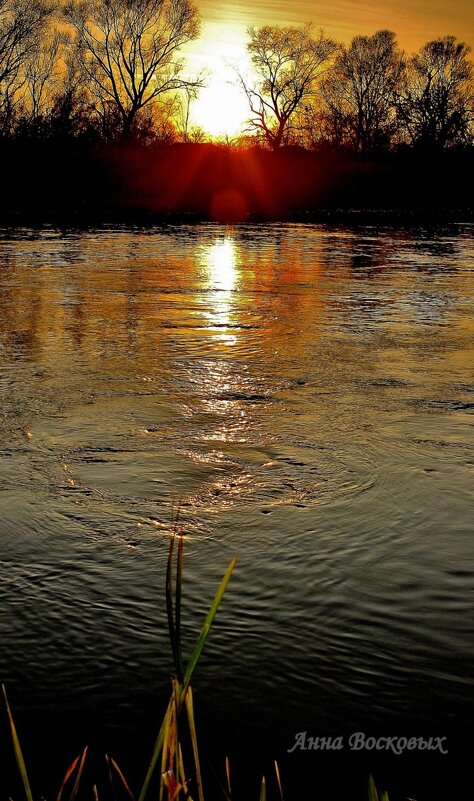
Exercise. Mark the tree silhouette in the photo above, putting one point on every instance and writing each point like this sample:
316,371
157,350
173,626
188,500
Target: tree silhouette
71,115
42,78
21,26
289,63
359,91
128,51
436,105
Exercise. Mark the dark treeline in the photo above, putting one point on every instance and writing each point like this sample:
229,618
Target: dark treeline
214,182
96,118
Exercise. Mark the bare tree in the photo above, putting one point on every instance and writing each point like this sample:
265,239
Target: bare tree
72,114
183,117
22,23
43,75
128,51
435,106
360,89
289,63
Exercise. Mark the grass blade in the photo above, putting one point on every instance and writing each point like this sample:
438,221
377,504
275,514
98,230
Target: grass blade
67,776
165,760
263,790
277,771
201,641
18,753
181,772
180,689
171,783
192,730
169,600
111,778
156,753
373,794
385,796
227,773
179,584
122,778
173,758
79,775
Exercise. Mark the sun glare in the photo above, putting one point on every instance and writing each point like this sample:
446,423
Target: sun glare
220,259
221,108
220,263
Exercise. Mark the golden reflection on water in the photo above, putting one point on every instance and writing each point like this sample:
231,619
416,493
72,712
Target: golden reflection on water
221,265
210,358
221,261
275,297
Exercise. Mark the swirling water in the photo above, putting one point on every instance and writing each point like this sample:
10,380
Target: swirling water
307,393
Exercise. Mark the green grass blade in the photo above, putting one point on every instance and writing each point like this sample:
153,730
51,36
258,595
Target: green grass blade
192,731
18,753
169,601
373,794
263,790
180,689
179,584
166,745
156,753
385,796
174,730
201,641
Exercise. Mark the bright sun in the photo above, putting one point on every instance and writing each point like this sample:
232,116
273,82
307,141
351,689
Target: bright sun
221,108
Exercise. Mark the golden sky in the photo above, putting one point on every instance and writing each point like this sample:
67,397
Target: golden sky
415,21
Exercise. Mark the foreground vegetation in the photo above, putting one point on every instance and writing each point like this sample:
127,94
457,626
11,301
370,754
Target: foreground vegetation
174,771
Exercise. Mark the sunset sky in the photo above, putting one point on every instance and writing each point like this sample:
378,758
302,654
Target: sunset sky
223,38
415,21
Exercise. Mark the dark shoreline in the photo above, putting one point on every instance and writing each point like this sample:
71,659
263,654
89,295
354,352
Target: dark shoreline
351,218
83,184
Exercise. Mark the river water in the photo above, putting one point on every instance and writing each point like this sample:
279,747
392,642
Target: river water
305,393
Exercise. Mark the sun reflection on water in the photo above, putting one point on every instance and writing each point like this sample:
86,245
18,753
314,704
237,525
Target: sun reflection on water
220,263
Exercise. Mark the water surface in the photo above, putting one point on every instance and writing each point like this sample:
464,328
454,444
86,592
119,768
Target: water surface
307,393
